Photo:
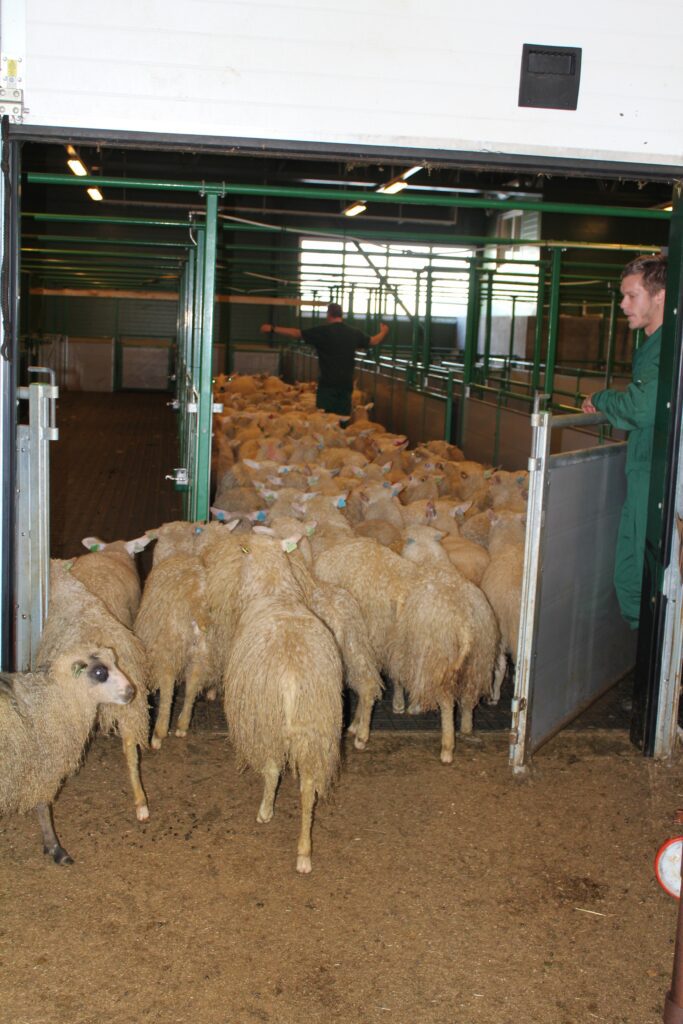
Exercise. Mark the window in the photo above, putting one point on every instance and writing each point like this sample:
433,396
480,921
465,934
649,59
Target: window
381,279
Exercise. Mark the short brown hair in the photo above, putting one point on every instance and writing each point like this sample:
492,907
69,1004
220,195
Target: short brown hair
334,310
652,269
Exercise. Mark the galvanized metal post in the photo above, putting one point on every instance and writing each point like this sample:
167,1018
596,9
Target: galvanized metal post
201,485
511,345
427,332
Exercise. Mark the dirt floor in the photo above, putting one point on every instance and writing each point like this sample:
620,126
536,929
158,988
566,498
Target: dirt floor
438,894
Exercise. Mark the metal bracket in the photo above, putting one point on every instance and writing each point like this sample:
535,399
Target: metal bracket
12,104
217,407
534,465
180,477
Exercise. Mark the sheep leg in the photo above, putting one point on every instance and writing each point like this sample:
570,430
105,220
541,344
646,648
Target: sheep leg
466,713
193,684
271,777
303,850
398,703
130,752
498,677
51,844
360,726
163,714
447,731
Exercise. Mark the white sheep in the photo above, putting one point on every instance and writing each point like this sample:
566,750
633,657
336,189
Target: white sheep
46,718
77,616
109,571
502,581
282,685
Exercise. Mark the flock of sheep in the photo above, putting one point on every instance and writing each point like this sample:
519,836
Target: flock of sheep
335,555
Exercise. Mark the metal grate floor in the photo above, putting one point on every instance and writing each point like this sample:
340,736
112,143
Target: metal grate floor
108,480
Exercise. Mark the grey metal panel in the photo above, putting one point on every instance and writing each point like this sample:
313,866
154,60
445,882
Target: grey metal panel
256,362
514,435
582,644
434,418
147,318
382,399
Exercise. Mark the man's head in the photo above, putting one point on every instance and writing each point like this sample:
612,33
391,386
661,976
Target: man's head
643,284
334,311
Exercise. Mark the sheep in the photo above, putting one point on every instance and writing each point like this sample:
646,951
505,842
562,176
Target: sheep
173,625
341,613
435,676
77,616
282,686
175,538
46,718
502,581
109,571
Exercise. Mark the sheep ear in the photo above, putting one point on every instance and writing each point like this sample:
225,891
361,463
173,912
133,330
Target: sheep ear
397,488
77,668
133,547
93,543
459,510
217,513
310,528
267,530
290,543
232,524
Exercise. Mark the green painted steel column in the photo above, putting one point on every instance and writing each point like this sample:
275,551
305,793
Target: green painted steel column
489,325
427,332
663,494
538,333
205,354
415,345
611,337
448,419
511,345
470,343
553,321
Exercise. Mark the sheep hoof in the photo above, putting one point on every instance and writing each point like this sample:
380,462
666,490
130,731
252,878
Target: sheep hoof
303,865
360,743
155,742
142,813
263,817
398,709
182,733
59,855
446,757
211,693
415,709
491,701
351,729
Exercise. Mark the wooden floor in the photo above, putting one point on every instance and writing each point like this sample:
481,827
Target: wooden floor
108,468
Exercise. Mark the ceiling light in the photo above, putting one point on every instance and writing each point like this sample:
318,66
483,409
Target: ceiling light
411,171
355,209
392,187
95,194
77,167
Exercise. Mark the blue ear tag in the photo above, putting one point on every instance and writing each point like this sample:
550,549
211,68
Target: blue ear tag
386,484
198,529
220,515
341,503
261,516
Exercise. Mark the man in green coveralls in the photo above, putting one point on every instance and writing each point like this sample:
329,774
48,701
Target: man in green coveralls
643,283
336,344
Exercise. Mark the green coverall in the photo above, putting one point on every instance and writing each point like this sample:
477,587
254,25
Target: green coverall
634,410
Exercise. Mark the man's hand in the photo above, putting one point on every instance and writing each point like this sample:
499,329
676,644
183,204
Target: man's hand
266,328
587,405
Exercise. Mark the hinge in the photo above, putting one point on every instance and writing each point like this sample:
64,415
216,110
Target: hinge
12,104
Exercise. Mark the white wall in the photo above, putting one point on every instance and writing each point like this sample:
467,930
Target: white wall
420,74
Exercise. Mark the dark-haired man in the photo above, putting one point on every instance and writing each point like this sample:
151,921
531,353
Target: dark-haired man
643,284
336,343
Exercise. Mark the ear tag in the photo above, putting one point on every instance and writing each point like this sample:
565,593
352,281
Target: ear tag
261,516
218,514
288,546
198,529
340,503
310,529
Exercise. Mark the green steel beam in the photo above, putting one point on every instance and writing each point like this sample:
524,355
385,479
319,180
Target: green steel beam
223,189
203,469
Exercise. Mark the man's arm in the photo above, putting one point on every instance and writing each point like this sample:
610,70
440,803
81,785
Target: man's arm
377,339
286,332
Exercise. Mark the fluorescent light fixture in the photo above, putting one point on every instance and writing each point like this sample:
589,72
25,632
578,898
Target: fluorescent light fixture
77,167
355,209
392,187
411,171
95,194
